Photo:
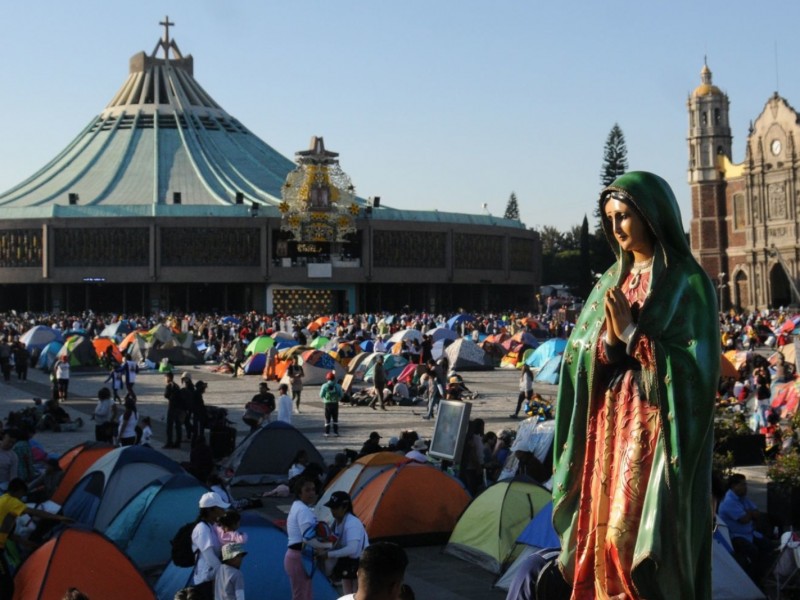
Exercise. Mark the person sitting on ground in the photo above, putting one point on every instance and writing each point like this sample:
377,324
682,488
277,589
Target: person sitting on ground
372,445
418,452
229,581
260,408
400,393
9,461
11,507
55,418
299,464
42,488
381,570
751,550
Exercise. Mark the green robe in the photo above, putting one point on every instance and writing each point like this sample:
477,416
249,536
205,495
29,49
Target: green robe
672,555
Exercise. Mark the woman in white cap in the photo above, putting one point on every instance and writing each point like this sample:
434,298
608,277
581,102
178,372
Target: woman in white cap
351,541
206,543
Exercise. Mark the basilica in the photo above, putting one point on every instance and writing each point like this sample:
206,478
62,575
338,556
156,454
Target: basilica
745,216
164,201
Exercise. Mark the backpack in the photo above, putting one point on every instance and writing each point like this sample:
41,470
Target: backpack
182,554
333,392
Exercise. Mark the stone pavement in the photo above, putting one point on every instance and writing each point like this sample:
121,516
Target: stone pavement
431,573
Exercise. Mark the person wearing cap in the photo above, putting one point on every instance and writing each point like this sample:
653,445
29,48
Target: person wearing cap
229,582
351,539
372,445
331,393
206,543
417,452
300,519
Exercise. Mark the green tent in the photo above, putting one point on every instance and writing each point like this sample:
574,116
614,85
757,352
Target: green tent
259,345
487,531
80,351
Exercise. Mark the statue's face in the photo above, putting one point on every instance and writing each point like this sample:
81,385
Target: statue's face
629,229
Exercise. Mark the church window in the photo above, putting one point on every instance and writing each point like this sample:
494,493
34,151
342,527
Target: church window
717,116
703,118
739,213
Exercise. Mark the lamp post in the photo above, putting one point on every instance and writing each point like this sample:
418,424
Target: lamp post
721,285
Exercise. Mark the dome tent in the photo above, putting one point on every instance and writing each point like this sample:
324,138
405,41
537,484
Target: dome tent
265,455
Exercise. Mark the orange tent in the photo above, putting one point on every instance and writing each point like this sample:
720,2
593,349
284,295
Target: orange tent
726,368
101,345
74,463
317,323
411,503
128,339
83,559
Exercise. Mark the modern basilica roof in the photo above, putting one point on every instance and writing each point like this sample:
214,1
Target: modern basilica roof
164,147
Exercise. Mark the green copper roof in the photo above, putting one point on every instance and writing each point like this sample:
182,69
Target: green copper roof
161,139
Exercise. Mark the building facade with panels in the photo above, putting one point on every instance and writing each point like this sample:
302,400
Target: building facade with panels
745,227
166,202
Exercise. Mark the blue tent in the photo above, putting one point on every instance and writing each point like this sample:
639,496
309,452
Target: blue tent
262,568
545,352
146,524
454,322
367,345
437,350
112,481
442,333
550,371
48,356
283,344
36,338
255,364
540,533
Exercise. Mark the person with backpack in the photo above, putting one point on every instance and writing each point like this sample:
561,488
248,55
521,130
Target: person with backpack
204,548
331,392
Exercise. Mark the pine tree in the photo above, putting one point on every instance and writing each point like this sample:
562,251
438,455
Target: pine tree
585,275
512,208
615,156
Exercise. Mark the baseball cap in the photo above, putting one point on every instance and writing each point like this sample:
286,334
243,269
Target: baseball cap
186,375
330,376
374,435
212,499
338,499
230,551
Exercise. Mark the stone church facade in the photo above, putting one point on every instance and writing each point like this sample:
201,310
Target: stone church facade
746,216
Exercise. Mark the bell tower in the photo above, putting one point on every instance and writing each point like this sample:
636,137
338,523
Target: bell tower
710,142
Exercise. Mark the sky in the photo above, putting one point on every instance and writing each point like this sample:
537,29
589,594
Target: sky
431,104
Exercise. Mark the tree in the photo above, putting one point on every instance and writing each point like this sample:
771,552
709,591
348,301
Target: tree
512,208
585,275
552,240
615,156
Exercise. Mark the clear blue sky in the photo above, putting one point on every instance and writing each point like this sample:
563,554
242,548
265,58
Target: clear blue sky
431,103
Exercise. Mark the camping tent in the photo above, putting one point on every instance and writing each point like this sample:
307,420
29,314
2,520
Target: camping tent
487,531
264,575
393,364
101,346
113,480
80,351
353,479
177,355
255,363
545,352
728,580
117,330
465,355
47,358
411,503
265,455
549,373
406,335
454,322
145,525
259,344
317,364
74,462
39,336
442,333
81,558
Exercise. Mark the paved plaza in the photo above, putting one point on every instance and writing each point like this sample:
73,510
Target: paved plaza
431,573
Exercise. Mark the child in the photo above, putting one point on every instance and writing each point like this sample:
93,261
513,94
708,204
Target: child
147,432
229,582
227,528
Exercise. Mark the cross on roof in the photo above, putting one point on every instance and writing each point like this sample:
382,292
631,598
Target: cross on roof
166,23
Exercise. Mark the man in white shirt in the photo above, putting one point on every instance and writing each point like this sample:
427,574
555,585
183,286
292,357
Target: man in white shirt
417,452
284,404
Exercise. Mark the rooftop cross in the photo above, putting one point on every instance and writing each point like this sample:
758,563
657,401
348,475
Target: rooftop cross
166,23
